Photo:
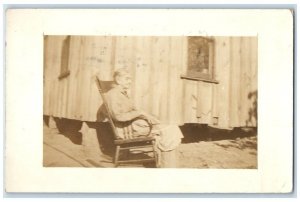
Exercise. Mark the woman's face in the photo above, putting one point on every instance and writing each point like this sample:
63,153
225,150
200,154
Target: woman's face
124,81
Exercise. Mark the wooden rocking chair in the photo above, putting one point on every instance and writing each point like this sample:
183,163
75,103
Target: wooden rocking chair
145,145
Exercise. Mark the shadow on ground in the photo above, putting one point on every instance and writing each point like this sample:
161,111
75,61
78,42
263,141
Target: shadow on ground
199,132
71,129
68,127
192,133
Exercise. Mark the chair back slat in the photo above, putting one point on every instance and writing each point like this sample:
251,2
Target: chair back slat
111,122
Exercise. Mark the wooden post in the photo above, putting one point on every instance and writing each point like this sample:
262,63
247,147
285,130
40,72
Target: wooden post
168,159
52,123
90,142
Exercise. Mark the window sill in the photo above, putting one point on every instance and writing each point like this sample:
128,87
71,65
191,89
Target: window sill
64,75
199,79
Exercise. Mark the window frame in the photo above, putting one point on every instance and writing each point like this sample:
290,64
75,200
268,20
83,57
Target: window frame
64,64
199,76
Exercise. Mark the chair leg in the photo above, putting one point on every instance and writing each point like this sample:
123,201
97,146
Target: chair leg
117,156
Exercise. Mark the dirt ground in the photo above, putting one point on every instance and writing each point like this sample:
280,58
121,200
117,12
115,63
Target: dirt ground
238,153
199,149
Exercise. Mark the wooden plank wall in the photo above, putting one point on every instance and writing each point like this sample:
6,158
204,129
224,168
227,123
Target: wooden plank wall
52,62
236,71
156,64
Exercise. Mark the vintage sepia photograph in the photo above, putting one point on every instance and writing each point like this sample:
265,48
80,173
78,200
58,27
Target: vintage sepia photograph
150,101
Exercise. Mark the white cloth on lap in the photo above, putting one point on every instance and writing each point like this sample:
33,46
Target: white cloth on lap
169,136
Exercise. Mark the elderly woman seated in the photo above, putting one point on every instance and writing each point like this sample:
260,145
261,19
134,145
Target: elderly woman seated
131,122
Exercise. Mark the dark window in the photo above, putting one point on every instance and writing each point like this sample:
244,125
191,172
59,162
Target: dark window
64,66
200,57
